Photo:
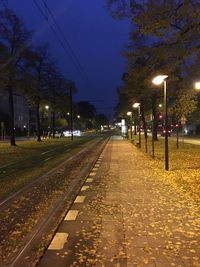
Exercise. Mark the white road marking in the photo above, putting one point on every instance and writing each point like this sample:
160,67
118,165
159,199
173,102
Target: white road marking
58,241
92,174
47,159
71,215
85,187
45,152
89,180
79,199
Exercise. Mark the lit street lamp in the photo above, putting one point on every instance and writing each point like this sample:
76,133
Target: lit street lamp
137,105
197,85
129,113
152,133
157,81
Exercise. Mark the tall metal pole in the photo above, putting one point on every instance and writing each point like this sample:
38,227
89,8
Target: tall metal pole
71,114
166,127
139,127
153,148
131,126
177,137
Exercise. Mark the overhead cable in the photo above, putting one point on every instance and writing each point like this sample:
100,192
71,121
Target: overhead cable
57,36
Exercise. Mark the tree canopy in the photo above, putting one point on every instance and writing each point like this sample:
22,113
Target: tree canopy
164,38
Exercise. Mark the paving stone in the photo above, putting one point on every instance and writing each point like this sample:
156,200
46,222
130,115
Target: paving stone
129,218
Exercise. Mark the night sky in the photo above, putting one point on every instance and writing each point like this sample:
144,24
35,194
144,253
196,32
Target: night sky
96,39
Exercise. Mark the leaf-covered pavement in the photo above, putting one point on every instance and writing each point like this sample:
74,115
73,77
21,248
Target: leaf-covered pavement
134,214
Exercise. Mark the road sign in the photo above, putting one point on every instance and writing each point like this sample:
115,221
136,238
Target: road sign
183,120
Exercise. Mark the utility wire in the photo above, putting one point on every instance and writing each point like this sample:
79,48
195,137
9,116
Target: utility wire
63,36
4,2
57,36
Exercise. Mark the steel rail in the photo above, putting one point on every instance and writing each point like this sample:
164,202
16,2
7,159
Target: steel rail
40,157
52,215
6,201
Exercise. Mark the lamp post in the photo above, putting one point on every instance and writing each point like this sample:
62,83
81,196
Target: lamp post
152,132
137,105
157,81
129,113
197,86
71,114
48,123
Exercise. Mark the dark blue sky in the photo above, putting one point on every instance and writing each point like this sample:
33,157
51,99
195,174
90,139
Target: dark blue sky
96,39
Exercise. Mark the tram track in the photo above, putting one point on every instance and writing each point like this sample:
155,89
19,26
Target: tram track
58,205
8,170
9,199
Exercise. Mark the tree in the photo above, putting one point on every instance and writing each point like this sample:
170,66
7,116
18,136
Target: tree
87,112
185,104
162,37
100,120
55,86
15,39
36,69
65,105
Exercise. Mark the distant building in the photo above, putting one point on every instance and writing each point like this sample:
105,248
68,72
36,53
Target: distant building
21,110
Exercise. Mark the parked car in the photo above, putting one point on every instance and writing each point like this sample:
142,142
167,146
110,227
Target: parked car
163,133
58,134
75,133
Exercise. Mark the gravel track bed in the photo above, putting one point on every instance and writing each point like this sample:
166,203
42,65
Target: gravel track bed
19,218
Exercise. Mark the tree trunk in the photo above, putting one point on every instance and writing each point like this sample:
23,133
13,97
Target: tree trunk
155,121
144,122
53,123
38,123
12,117
135,130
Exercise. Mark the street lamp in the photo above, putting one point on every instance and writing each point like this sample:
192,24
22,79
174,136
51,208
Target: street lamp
47,119
129,113
157,81
197,85
137,105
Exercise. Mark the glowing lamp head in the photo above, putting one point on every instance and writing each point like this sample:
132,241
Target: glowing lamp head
136,105
129,113
197,85
159,79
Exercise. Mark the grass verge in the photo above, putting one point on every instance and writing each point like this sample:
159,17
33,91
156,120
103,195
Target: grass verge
22,164
184,164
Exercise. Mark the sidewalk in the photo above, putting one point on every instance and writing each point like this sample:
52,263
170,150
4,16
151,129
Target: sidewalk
124,216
